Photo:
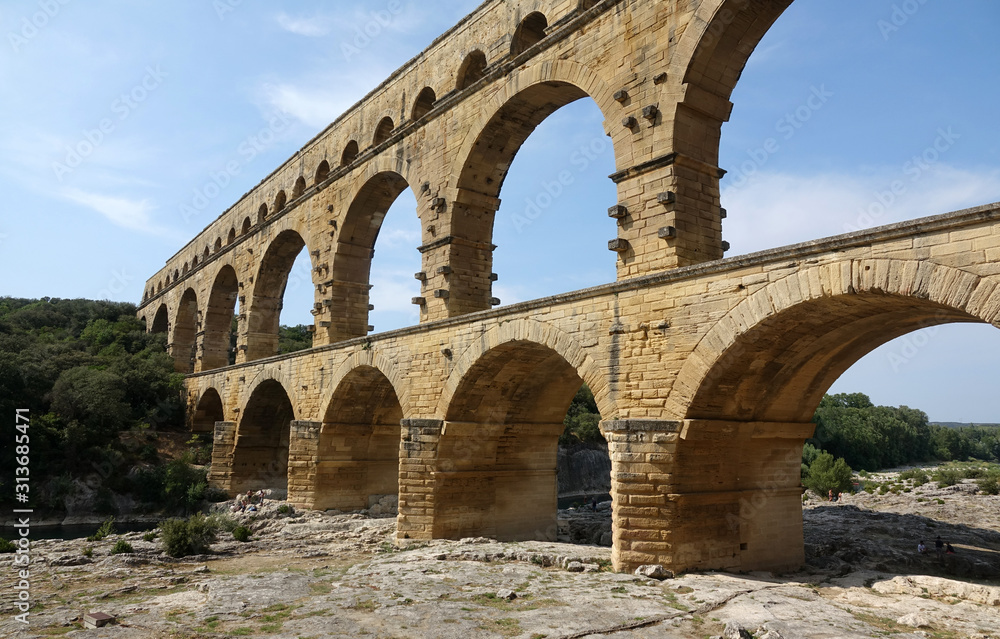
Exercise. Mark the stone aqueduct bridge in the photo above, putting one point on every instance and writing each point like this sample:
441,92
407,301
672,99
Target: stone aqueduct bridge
706,371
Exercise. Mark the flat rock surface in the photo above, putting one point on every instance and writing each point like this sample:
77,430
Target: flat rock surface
322,575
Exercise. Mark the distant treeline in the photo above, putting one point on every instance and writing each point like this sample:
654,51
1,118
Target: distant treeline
964,425
873,437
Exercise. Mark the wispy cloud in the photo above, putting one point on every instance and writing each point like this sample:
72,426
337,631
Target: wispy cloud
315,27
776,209
130,214
315,108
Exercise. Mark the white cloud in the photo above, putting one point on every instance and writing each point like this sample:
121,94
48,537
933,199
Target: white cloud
129,214
315,108
776,209
315,27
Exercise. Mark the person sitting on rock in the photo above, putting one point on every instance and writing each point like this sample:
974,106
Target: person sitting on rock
949,550
921,548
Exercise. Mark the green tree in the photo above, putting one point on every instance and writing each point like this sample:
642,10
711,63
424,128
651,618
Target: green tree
582,421
826,474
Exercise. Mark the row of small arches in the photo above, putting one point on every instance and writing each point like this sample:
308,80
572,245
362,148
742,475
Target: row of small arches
530,31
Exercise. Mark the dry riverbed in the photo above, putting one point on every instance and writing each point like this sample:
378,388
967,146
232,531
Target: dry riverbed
319,575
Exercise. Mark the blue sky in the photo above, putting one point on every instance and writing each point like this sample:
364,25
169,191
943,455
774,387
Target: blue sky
117,113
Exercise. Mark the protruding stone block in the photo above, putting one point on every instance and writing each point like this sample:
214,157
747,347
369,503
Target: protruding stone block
618,245
618,211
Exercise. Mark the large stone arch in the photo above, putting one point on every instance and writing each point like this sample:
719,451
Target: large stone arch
496,459
832,315
265,304
508,117
747,393
260,456
527,330
350,269
355,463
184,332
370,358
222,297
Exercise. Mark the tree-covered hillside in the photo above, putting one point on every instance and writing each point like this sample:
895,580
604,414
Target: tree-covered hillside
95,384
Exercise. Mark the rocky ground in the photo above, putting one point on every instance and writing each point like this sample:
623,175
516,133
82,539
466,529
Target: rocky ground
322,575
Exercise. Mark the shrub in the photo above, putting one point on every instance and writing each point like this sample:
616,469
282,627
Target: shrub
107,528
826,474
149,536
7,546
241,533
946,477
122,547
989,485
284,509
88,552
184,537
916,475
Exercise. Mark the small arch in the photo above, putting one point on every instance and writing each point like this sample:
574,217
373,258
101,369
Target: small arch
472,70
383,131
185,332
219,314
528,33
279,201
208,411
208,252
161,322
232,235
322,172
360,228
185,269
218,244
159,287
299,188
262,213
350,153
177,275
194,262
425,102
246,226
269,287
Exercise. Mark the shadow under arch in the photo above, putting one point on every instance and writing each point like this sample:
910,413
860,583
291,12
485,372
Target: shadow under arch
208,410
260,452
749,390
161,321
775,354
497,455
352,255
264,312
357,456
185,331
